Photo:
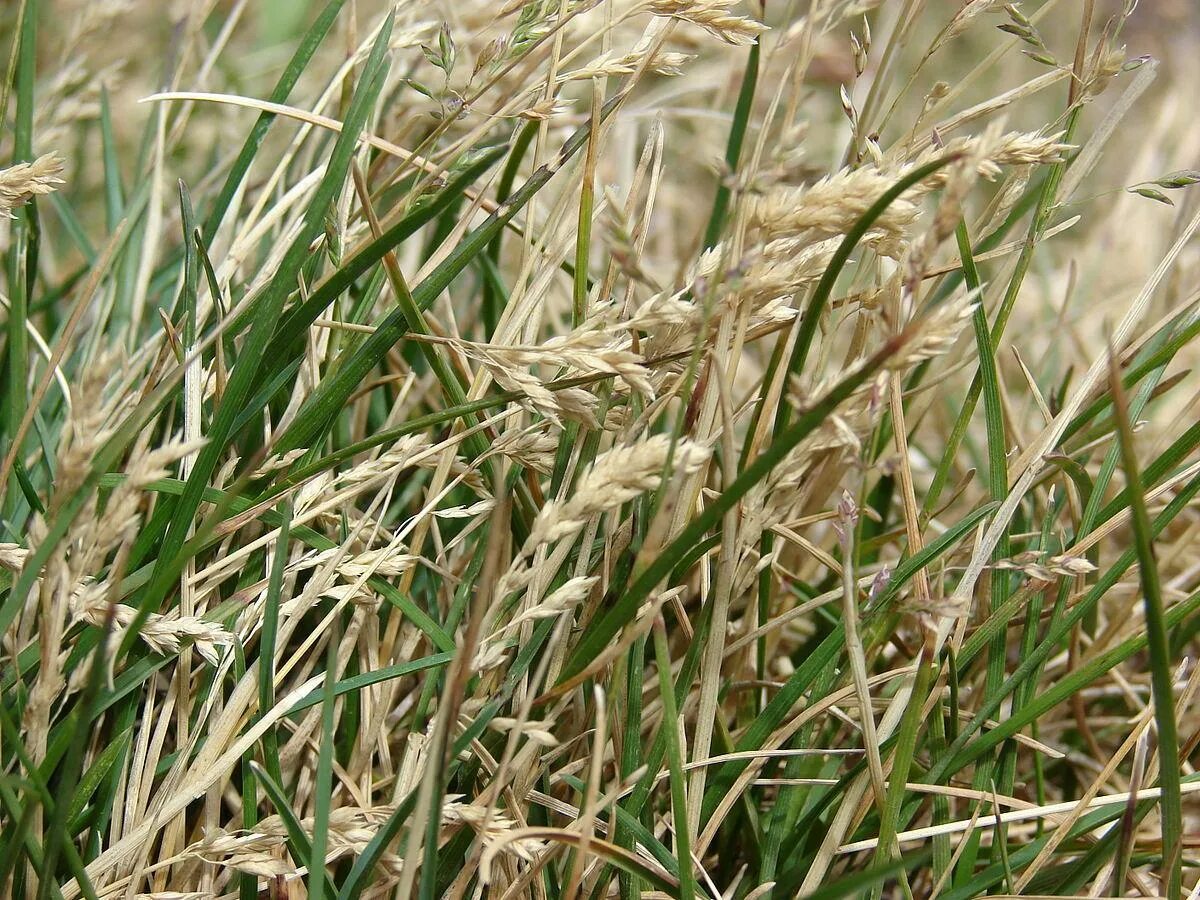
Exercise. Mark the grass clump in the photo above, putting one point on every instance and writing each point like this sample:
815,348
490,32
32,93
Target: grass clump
577,450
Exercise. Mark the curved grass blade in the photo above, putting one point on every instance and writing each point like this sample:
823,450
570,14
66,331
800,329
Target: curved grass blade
600,633
375,676
808,323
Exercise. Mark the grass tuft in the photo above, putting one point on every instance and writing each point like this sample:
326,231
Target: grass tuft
624,449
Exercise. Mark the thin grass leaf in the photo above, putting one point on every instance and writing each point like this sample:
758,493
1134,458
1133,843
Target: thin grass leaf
266,312
299,844
1157,643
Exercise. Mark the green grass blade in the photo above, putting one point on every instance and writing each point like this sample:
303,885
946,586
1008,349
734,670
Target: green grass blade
300,60
620,612
268,636
675,760
331,395
1157,643
299,845
733,148
323,786
267,309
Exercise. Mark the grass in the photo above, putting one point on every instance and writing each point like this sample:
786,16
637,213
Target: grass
559,450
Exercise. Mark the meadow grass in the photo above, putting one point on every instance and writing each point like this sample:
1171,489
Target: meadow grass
598,448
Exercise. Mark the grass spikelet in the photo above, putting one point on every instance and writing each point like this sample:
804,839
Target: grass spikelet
21,183
616,477
831,206
714,16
